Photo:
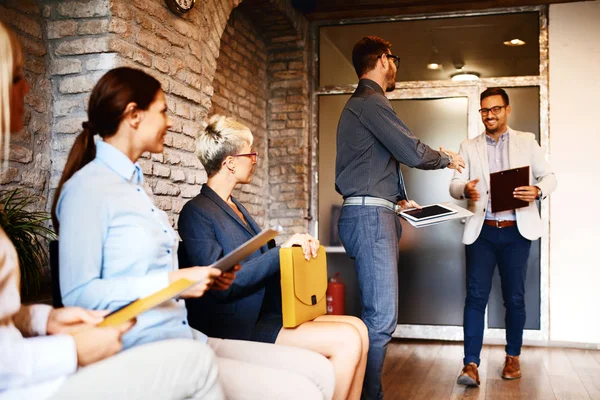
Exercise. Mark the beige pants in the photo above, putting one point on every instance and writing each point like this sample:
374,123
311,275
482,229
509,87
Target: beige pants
252,370
166,370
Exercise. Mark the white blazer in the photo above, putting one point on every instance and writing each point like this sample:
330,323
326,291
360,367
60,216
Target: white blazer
523,150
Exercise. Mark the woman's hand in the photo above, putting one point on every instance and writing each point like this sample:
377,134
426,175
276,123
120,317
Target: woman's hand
310,245
204,276
224,281
94,344
70,319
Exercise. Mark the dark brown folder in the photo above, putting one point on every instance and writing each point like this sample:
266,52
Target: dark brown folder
502,185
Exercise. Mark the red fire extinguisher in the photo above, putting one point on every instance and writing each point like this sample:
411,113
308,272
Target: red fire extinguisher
335,296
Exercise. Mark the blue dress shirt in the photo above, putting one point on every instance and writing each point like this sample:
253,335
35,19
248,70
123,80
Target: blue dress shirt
498,161
116,246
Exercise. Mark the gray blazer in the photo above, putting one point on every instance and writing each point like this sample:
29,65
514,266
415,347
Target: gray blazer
523,150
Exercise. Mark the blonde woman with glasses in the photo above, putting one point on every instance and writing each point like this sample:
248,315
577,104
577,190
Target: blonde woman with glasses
215,223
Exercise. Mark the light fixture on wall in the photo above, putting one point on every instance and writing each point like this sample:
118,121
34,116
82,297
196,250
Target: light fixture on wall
462,75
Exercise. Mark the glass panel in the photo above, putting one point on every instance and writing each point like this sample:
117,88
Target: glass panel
330,109
525,116
475,43
431,272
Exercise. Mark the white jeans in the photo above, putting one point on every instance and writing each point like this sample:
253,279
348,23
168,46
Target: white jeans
182,369
166,370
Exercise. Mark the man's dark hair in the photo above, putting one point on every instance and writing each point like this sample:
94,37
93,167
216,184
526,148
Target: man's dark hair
494,91
366,52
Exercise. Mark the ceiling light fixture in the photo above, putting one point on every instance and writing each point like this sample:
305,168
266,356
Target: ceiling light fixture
434,60
461,74
464,76
514,42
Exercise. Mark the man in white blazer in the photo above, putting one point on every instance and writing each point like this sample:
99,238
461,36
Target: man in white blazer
502,238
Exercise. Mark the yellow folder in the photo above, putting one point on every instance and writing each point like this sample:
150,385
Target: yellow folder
139,306
303,286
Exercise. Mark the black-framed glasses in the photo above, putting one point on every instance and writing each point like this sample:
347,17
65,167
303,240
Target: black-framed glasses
392,57
495,110
253,155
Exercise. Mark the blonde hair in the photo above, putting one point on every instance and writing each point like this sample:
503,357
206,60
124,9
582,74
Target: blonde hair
10,51
222,137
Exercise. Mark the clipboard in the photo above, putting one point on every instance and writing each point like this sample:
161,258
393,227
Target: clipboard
502,185
136,307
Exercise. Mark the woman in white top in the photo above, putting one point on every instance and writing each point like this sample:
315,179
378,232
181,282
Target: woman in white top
116,245
59,353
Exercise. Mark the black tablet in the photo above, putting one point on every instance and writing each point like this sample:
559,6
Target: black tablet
427,212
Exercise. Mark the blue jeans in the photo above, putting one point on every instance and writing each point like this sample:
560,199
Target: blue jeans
509,250
370,236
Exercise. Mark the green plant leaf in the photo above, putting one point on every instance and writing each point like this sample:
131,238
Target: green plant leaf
29,234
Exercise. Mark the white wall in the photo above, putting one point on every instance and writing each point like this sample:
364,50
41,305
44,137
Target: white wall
574,41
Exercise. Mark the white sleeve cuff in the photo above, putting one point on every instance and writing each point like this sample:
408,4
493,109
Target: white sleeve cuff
56,354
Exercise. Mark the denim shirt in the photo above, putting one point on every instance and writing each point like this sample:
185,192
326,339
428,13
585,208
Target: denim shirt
116,246
371,142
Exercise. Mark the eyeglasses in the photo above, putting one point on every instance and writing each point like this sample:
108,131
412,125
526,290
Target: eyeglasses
392,57
253,156
495,110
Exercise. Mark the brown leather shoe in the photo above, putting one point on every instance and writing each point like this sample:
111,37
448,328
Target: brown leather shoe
512,368
469,375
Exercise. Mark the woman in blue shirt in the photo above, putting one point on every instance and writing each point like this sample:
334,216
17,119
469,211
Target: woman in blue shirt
214,223
117,246
60,354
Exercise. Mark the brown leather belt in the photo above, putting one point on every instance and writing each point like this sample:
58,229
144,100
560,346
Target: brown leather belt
500,224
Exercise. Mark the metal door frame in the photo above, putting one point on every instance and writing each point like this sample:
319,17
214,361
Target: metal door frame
447,89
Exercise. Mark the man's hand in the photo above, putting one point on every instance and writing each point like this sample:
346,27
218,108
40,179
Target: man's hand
471,191
456,160
94,344
526,193
406,204
203,275
310,245
224,281
69,319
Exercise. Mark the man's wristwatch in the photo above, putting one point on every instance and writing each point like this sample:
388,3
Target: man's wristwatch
449,156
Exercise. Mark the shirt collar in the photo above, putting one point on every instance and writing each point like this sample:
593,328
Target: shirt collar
371,84
114,159
502,138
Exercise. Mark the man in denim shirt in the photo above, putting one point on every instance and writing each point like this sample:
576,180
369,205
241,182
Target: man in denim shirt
372,142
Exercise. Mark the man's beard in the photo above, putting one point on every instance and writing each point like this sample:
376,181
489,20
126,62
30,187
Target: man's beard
390,80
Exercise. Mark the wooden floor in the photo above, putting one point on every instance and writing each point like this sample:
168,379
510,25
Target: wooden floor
428,370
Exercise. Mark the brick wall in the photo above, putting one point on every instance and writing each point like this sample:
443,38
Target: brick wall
70,44
286,36
29,161
240,91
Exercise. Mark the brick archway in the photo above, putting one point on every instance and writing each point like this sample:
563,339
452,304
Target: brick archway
68,45
262,80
